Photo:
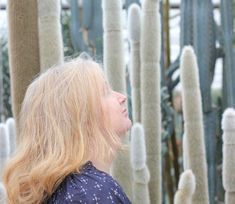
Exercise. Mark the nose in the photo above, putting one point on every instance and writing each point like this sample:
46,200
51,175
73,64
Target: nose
121,98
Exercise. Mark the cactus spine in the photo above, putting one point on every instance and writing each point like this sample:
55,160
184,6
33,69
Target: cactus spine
140,170
134,36
23,49
4,147
150,93
228,126
114,69
186,188
193,125
10,123
50,36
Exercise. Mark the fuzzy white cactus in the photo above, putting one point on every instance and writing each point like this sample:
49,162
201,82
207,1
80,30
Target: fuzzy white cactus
138,162
4,147
23,49
2,194
228,126
114,44
134,23
186,188
10,123
150,93
50,33
115,70
193,125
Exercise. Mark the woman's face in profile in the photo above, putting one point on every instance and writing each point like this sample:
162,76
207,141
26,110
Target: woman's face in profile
114,106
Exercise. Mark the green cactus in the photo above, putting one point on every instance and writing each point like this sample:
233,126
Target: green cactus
1,87
10,124
134,38
193,125
114,69
138,162
150,93
23,49
228,126
186,188
50,34
4,147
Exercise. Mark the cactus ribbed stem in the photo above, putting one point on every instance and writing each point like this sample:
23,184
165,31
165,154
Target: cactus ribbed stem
138,162
186,188
23,49
228,126
10,123
50,36
4,148
193,125
150,93
134,36
115,70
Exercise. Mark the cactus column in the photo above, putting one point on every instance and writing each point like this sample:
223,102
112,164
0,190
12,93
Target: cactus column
228,126
115,70
186,188
193,125
150,93
23,49
50,36
134,37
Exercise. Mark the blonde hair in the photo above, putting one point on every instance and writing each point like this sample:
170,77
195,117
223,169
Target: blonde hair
61,127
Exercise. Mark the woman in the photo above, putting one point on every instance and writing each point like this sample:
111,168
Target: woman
71,124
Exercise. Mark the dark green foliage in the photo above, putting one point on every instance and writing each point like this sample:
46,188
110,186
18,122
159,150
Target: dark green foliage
7,111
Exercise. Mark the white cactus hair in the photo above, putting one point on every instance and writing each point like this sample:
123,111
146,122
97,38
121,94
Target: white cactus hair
134,22
138,149
186,188
228,126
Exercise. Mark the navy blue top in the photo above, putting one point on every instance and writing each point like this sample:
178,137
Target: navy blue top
90,186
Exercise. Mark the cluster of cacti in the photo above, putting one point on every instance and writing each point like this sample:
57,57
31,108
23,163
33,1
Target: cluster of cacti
228,126
141,174
193,124
186,188
144,34
50,34
23,49
115,70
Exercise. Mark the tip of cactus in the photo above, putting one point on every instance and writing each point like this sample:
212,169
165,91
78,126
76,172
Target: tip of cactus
187,182
138,149
134,20
228,119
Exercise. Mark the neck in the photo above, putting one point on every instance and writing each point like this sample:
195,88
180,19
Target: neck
102,166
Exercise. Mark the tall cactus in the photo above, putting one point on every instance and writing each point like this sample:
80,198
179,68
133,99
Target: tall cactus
10,124
23,49
134,37
150,93
50,34
193,125
228,126
4,147
186,188
140,170
115,71
92,23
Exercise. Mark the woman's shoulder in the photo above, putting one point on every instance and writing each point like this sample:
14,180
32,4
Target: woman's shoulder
89,186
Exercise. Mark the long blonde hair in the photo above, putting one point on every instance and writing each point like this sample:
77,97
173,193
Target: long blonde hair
61,127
